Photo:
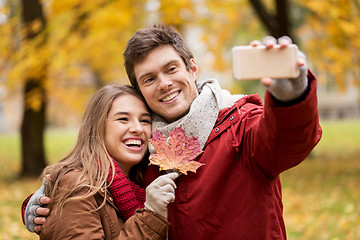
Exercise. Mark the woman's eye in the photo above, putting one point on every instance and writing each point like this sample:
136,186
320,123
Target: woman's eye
122,119
146,121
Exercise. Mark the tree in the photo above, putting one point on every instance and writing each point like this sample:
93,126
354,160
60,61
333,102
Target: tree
33,122
63,60
332,41
277,24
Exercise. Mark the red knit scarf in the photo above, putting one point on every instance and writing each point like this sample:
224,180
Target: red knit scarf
127,195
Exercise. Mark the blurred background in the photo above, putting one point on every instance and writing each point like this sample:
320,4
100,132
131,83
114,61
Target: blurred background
55,54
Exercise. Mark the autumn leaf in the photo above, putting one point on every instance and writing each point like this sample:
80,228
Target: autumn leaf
176,153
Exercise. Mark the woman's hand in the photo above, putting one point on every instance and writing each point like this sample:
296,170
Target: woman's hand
160,193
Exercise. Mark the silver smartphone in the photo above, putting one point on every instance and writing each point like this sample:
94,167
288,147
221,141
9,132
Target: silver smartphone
250,62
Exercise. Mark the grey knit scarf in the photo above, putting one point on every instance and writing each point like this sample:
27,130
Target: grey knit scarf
204,110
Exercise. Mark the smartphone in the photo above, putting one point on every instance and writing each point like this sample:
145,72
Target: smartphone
250,62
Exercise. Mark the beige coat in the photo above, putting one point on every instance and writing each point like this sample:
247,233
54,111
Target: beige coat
79,220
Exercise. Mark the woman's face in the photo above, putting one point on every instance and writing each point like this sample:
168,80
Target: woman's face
128,128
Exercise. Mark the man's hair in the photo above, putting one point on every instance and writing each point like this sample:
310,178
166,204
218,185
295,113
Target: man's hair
145,40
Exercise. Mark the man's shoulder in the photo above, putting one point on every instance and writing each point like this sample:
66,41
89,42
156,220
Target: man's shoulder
245,102
245,105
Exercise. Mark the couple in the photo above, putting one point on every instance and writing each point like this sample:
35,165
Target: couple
237,193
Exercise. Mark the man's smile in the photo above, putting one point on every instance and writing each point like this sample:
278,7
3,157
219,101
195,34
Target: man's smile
170,97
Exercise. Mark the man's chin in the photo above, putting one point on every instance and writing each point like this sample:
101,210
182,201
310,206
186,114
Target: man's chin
172,117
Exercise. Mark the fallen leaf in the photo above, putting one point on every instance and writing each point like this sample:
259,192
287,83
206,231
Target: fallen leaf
176,153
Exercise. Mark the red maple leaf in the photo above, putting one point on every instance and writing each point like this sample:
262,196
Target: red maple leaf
176,153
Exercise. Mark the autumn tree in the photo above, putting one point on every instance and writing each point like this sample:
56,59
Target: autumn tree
274,17
79,47
62,60
332,41
33,121
327,32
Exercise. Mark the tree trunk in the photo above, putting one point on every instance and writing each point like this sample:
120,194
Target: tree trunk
33,122
282,16
278,25
32,133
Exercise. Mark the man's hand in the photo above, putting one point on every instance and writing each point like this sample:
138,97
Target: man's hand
35,212
41,213
285,90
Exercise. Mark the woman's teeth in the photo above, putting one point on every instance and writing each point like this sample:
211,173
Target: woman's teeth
133,142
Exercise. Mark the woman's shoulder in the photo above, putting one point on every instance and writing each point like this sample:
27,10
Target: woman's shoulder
71,177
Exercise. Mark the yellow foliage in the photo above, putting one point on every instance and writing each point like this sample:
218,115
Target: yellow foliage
333,39
36,26
348,28
86,39
176,12
34,99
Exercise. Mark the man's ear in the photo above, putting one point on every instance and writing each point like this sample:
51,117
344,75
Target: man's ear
193,68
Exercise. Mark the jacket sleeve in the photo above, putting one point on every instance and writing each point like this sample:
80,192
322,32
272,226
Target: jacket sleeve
78,218
23,207
144,224
285,135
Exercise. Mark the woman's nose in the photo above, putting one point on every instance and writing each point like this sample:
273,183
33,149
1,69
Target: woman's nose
136,127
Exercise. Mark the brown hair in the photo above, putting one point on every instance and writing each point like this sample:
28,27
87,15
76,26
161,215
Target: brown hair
89,157
145,40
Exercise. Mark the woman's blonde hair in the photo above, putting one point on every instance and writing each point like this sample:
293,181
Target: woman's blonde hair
89,157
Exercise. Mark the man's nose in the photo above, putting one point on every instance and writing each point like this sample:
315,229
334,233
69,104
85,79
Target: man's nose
164,82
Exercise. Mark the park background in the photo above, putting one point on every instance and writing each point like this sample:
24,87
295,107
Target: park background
55,54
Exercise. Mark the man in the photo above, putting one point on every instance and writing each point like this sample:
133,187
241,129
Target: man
237,193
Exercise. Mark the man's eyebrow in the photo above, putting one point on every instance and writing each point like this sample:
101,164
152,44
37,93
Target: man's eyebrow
163,66
170,62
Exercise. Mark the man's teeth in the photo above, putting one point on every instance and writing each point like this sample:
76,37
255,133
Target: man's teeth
172,96
133,142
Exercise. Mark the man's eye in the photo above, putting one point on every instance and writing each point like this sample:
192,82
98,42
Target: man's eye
148,80
172,69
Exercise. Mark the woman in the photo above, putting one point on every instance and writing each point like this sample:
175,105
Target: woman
96,189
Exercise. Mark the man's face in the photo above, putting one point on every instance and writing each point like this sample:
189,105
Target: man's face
168,87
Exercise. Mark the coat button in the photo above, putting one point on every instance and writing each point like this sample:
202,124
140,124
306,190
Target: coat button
231,118
217,129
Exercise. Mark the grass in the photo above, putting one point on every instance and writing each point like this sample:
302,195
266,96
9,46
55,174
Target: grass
13,190
321,195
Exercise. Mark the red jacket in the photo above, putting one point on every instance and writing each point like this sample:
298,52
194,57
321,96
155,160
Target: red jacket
237,193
